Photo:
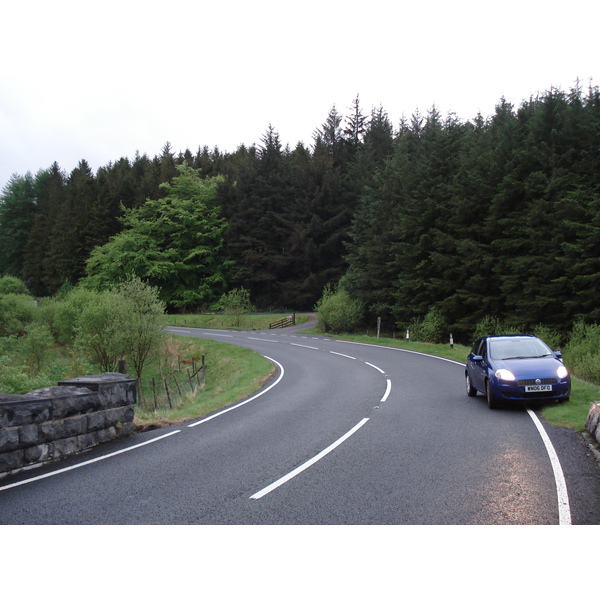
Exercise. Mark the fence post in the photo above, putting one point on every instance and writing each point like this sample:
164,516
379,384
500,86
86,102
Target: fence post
177,384
168,393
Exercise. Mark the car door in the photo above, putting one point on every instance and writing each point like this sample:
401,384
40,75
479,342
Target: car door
477,368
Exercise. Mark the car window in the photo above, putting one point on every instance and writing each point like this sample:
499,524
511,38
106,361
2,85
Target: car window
518,348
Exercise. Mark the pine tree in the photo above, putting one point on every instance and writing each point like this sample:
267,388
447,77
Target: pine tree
50,192
70,237
18,206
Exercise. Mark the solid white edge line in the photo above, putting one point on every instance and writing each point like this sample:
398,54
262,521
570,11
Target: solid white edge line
564,509
308,463
456,362
88,462
281,373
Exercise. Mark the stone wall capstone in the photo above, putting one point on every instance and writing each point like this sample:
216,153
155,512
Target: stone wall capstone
54,422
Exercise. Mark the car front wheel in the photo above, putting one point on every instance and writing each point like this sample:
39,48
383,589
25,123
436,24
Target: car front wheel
491,399
471,391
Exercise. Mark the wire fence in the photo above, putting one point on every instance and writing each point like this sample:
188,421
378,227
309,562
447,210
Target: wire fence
169,388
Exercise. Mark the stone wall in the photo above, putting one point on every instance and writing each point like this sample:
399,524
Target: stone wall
54,422
593,421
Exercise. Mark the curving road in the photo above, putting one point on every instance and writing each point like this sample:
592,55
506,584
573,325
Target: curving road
345,434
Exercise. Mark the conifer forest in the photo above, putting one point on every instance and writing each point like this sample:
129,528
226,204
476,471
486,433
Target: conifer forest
497,216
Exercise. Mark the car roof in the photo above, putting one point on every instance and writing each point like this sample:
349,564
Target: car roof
507,336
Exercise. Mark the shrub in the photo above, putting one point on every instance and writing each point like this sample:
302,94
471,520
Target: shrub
102,330
237,303
12,285
337,311
488,326
16,312
62,314
551,337
432,328
144,324
36,346
582,351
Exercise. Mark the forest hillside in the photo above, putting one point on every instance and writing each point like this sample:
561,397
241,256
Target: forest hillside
493,216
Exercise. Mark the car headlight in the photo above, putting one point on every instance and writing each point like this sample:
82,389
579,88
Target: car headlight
562,371
505,375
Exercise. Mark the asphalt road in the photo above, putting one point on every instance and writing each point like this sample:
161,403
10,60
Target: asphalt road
344,434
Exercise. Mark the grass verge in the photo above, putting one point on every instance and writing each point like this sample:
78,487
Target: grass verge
232,374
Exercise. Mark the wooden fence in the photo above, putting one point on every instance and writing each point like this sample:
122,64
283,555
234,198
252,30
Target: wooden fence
285,322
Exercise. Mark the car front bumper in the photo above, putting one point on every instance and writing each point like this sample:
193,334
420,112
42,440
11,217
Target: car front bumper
511,390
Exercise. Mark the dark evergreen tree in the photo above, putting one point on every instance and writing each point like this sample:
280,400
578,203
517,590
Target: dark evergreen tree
50,191
70,243
18,206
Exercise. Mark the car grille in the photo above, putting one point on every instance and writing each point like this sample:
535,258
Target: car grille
537,382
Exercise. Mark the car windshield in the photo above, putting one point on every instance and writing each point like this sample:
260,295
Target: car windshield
504,349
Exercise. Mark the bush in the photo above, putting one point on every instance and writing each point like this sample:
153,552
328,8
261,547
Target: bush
36,346
551,337
16,312
12,285
488,326
63,314
432,328
337,311
144,324
582,352
101,333
237,303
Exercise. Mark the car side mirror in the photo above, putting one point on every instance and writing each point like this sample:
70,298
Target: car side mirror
558,353
477,358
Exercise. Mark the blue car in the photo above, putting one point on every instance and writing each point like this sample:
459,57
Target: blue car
516,368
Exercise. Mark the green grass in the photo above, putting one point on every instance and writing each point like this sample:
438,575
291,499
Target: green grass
232,374
250,321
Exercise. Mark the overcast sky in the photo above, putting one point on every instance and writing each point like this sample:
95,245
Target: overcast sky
102,80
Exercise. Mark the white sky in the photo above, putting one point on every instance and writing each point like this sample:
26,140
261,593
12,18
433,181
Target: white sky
100,80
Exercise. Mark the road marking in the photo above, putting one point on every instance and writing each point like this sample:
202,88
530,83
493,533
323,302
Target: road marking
456,362
319,456
308,463
262,340
375,367
89,462
564,509
281,373
303,346
344,355
388,389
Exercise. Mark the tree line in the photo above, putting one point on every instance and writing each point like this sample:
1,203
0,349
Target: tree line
495,216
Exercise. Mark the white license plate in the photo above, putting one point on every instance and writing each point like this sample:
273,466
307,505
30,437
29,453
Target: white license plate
538,388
